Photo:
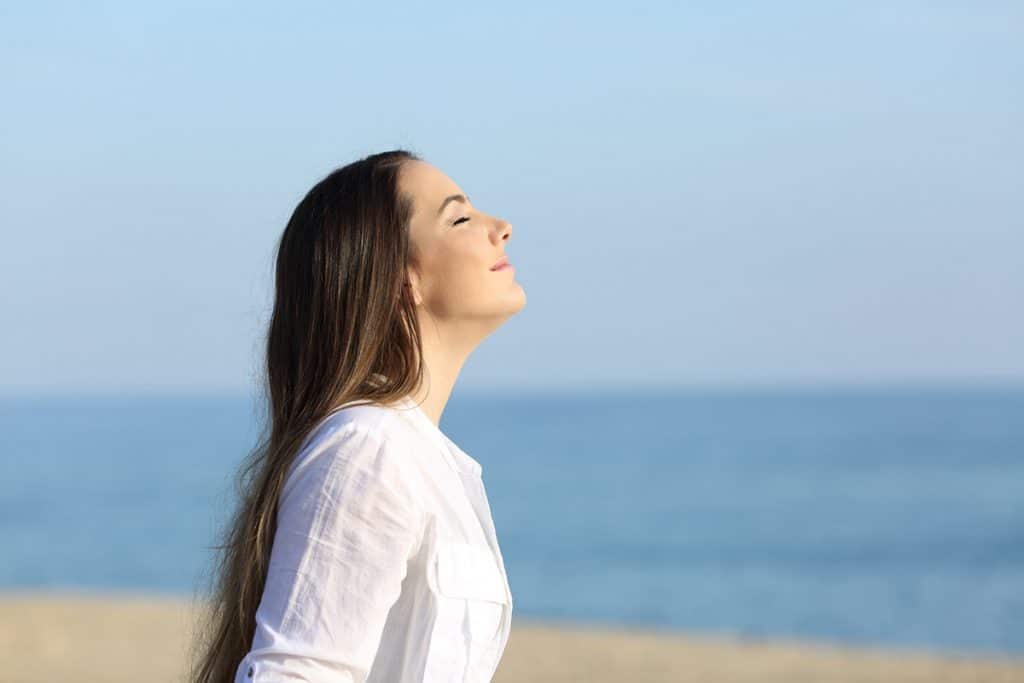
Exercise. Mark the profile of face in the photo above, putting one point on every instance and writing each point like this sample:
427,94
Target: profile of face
455,247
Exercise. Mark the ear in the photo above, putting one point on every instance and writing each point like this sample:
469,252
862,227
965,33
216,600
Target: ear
412,286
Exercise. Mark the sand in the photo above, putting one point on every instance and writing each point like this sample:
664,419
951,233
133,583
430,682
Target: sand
90,638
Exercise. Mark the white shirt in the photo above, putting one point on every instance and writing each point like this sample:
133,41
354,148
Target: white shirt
385,565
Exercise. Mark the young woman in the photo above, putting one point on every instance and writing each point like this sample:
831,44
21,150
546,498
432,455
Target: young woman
363,548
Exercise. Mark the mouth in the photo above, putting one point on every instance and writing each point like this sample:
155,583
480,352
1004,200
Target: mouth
502,264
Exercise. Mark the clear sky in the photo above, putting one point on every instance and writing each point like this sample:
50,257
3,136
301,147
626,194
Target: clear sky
701,193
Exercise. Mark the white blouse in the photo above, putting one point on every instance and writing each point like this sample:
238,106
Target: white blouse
385,565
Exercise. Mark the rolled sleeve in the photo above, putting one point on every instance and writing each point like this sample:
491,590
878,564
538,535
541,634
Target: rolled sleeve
349,519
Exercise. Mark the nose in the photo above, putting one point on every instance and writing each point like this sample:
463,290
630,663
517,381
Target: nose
504,229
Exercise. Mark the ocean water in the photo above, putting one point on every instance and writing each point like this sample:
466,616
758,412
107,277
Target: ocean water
863,517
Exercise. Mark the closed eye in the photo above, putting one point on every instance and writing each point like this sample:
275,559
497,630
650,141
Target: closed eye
457,221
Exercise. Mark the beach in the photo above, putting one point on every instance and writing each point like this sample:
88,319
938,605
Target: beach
94,638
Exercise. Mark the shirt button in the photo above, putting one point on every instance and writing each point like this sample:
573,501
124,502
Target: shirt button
249,674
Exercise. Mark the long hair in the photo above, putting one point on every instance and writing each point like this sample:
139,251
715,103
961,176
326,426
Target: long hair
343,331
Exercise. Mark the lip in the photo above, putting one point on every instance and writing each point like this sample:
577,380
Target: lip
502,264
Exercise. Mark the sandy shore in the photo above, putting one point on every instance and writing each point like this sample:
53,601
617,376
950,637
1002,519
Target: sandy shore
90,638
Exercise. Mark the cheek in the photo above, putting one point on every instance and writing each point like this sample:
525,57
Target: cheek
458,274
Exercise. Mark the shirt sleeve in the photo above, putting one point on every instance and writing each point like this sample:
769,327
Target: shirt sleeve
349,519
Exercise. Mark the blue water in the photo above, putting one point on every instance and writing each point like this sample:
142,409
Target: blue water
873,517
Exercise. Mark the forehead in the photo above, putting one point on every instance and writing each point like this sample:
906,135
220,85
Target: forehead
428,186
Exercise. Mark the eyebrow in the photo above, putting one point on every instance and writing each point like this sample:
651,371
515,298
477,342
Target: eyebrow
453,198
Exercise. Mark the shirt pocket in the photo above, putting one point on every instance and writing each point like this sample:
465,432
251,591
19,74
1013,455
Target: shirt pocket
469,575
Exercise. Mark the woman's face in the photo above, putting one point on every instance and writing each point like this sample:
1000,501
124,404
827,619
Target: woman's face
454,248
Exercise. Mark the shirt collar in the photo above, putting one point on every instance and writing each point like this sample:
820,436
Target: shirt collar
454,456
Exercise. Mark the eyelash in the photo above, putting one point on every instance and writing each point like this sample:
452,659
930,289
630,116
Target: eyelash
459,220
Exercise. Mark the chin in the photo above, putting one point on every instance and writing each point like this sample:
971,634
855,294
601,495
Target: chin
505,306
519,301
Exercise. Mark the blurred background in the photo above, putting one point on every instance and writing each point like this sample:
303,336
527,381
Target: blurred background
769,382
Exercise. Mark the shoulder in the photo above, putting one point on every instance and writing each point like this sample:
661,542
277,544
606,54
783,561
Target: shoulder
380,424
370,437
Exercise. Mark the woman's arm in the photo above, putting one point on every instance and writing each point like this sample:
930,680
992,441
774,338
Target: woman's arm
348,522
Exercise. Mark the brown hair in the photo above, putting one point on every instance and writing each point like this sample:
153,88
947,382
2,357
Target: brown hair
343,332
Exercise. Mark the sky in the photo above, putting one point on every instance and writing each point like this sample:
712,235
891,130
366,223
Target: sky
701,194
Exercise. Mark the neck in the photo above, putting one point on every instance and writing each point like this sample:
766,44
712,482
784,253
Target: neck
445,350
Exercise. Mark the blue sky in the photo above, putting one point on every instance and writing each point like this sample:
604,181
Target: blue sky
701,194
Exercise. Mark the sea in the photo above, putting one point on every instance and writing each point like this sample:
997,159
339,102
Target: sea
883,517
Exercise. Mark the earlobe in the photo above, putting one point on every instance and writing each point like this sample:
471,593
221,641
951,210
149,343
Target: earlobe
412,292
410,285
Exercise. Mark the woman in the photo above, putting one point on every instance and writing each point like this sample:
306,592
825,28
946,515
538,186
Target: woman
363,548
